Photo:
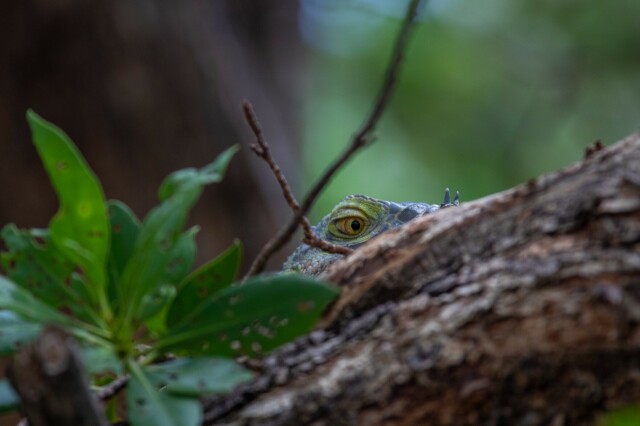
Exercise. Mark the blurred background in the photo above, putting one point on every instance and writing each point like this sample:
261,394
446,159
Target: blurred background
491,94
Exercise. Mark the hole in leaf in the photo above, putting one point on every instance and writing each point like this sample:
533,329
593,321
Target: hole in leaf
236,345
273,320
234,300
222,337
256,347
283,322
62,165
246,330
305,306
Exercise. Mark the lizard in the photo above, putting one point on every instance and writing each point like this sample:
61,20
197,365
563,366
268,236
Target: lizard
352,222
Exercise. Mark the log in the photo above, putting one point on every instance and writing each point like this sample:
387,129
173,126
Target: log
521,308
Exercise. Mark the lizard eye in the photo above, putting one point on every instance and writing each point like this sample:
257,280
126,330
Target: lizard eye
349,226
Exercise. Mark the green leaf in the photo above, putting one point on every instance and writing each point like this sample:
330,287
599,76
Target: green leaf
9,400
35,263
198,376
160,230
256,316
625,416
155,308
15,332
147,406
182,256
98,360
148,264
212,173
203,282
125,227
111,411
155,305
80,228
21,302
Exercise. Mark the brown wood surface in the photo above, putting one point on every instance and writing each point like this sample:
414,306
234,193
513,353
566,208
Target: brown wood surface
521,308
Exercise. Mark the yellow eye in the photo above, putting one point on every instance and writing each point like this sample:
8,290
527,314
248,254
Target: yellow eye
350,226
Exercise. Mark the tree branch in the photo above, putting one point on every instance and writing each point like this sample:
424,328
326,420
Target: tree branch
52,384
261,148
519,308
361,139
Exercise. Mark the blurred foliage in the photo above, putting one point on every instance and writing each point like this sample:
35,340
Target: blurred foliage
627,416
491,94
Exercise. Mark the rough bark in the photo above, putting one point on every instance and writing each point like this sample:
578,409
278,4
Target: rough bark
519,308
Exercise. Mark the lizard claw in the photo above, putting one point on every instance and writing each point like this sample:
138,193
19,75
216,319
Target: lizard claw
447,199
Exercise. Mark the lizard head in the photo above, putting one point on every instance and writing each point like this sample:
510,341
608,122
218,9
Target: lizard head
351,223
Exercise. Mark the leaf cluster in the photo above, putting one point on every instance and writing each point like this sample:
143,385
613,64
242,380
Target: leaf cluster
126,289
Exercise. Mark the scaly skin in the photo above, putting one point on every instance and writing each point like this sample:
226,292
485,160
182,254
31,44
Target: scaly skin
354,221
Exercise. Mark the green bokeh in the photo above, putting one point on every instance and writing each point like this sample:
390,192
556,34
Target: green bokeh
491,94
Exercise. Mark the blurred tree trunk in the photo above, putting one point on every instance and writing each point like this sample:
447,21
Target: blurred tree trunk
522,308
144,88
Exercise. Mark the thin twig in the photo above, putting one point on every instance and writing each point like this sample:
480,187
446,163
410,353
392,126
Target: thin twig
261,148
361,139
112,389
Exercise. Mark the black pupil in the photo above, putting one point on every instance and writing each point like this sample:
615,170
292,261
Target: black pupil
355,225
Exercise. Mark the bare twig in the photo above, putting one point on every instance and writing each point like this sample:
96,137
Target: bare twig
112,389
361,139
261,148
